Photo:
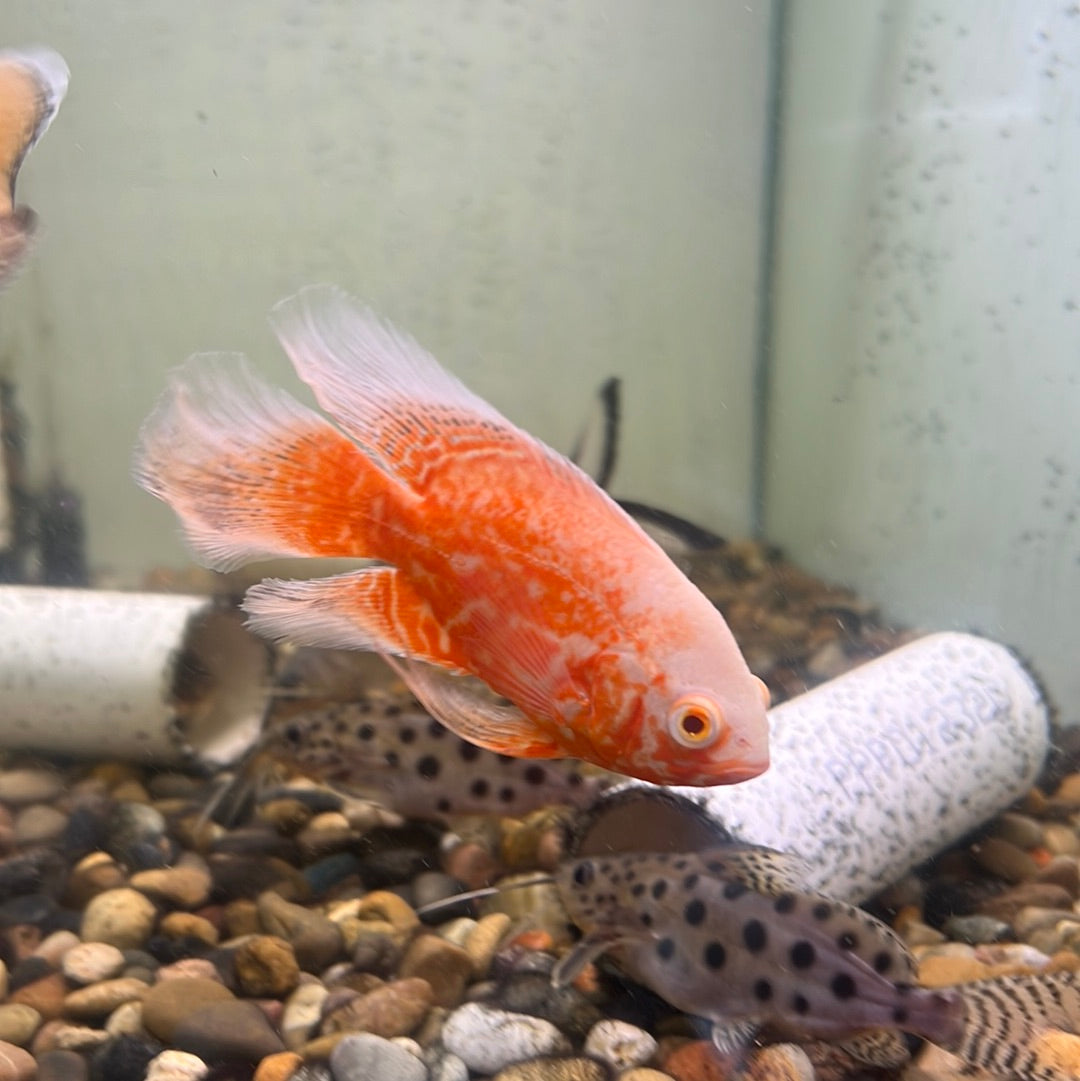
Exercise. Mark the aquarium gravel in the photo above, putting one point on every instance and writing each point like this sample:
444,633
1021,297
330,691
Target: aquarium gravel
142,939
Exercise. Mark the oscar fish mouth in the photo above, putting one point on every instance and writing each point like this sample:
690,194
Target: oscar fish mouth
733,771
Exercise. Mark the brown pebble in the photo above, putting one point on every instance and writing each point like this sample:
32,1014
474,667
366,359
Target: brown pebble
1029,894
1060,840
315,940
242,918
392,1010
789,1062
946,971
1004,859
184,885
99,999
472,865
18,1023
22,940
1019,829
62,1066
266,966
166,1004
286,815
188,925
71,1037
483,940
389,908
1063,871
93,874
122,917
15,1063
45,995
56,946
188,968
1069,789
447,968
697,1061
279,1067
227,1030
555,1068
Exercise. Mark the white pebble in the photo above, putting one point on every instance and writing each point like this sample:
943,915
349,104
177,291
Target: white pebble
621,1044
176,1066
92,962
487,1039
365,1057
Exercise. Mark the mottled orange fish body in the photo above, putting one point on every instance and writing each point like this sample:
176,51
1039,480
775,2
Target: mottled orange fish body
32,85
501,560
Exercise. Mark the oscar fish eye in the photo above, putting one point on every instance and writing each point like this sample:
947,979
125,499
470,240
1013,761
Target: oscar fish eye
695,721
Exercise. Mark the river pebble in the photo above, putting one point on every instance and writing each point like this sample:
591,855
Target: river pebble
121,917
620,1044
91,962
176,1066
487,1039
364,1057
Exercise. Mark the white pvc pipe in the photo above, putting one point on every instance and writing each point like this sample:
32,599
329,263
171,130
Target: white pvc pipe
881,768
151,676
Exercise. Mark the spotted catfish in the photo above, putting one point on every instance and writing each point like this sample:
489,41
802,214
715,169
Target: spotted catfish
728,934
417,767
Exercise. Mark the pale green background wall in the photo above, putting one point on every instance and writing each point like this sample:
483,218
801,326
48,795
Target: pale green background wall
925,421
544,193
548,193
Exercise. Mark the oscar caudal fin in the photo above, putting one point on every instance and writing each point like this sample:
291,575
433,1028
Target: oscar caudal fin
252,473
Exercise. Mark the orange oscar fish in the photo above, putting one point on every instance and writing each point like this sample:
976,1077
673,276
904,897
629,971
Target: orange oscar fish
499,559
32,85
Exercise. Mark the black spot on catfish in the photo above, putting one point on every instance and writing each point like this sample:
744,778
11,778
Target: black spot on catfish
843,986
803,954
469,752
480,788
733,891
443,806
785,903
694,913
900,1016
800,1004
690,881
638,889
882,961
535,775
714,955
646,919
847,941
665,949
393,759
506,794
436,730
659,888
428,767
365,732
754,936
506,758
821,911
583,874
762,990
407,735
